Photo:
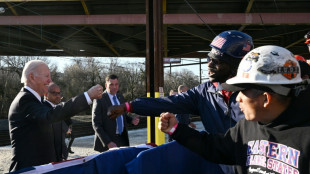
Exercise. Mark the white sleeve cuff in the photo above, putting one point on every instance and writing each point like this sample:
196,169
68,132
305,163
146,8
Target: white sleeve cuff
88,98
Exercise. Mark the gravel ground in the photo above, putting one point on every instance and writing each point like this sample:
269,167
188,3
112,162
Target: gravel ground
83,146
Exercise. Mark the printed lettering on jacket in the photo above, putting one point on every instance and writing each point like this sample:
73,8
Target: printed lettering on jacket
269,157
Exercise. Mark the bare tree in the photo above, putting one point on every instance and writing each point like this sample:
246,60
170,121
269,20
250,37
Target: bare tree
134,81
84,73
174,79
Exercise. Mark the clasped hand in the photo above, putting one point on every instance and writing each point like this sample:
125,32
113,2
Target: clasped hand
116,110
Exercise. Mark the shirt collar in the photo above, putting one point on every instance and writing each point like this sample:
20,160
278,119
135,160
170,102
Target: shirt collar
215,87
33,92
111,96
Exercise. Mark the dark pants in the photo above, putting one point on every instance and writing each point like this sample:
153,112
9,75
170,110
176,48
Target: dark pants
71,138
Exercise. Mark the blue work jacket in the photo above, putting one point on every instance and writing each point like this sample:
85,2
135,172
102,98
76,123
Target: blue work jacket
205,100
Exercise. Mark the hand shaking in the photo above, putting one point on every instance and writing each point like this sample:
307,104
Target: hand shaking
116,110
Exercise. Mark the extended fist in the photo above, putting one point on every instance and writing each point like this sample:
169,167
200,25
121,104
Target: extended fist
95,92
166,121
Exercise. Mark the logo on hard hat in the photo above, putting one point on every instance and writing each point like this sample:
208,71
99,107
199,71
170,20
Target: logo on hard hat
274,53
289,69
218,42
253,56
247,63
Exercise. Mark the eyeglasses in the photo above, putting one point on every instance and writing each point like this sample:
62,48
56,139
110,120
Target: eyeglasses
55,93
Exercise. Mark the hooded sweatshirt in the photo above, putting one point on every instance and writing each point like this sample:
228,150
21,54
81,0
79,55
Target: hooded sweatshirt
281,146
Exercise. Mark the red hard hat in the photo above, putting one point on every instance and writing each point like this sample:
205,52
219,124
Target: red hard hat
298,57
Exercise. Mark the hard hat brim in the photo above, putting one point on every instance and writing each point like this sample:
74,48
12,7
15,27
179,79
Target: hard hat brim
236,87
279,89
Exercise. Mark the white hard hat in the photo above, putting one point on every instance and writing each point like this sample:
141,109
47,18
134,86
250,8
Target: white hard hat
270,66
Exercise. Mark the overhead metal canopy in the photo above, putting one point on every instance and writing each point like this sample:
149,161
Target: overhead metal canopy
105,28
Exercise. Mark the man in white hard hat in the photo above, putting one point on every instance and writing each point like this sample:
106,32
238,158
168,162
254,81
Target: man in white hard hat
273,136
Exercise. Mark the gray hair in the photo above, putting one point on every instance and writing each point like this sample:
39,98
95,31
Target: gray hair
30,67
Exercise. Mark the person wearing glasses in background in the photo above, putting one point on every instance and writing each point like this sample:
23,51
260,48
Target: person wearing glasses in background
51,99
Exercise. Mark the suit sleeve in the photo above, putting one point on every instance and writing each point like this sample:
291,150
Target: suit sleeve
68,122
98,112
44,114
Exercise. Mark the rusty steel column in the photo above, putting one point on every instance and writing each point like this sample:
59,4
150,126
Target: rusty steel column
154,59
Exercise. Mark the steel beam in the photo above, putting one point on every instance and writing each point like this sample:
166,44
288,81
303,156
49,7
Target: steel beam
136,19
248,9
39,0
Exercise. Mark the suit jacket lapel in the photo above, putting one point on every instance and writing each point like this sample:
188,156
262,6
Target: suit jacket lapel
107,98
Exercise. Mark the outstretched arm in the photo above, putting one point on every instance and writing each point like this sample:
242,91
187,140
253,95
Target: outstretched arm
213,147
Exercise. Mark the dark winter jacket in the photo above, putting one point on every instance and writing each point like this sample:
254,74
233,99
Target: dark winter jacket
282,146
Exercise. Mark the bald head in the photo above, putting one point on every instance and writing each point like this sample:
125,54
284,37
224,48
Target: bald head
52,86
53,94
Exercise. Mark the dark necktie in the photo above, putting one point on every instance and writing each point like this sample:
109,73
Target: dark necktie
119,118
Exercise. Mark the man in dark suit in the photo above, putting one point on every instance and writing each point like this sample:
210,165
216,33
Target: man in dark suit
30,121
51,99
110,133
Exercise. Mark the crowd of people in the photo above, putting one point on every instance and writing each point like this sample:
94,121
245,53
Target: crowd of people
253,109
